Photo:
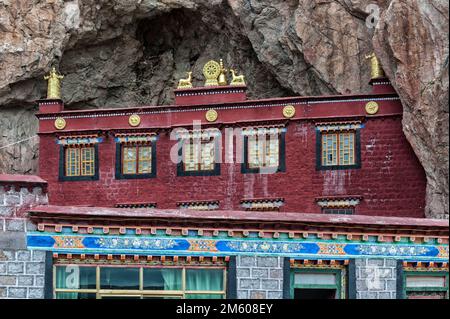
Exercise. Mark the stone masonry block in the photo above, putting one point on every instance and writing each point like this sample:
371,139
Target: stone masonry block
35,293
25,280
12,199
38,255
375,262
260,273
269,284
2,292
28,199
391,263
247,261
15,225
14,292
360,262
243,272
39,281
391,285
267,261
249,284
33,268
367,295
242,294
7,255
257,294
274,295
7,280
361,285
384,295
2,268
6,211
15,268
276,273
23,255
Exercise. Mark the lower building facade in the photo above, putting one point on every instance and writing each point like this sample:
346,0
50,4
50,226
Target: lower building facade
70,252
96,253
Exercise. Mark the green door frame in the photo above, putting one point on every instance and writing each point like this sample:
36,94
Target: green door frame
425,273
337,286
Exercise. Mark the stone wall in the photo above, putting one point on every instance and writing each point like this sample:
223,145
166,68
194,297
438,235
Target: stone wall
21,270
259,277
376,278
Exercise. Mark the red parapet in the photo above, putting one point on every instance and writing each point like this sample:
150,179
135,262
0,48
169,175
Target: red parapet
50,105
210,94
382,86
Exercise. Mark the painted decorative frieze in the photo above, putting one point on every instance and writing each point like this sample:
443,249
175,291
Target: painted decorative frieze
295,248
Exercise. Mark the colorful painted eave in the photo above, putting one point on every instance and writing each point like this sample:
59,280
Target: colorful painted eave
60,231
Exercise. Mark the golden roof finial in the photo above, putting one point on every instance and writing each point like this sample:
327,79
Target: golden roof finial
223,72
376,69
54,85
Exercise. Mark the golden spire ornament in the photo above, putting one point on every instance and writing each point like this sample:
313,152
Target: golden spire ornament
54,85
376,70
223,72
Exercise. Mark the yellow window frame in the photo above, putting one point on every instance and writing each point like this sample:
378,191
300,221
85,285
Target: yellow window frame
334,144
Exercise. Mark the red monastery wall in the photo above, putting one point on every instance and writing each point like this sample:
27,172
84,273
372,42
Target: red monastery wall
391,181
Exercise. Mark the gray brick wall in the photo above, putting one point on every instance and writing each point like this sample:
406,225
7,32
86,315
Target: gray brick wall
259,277
21,270
376,278
15,199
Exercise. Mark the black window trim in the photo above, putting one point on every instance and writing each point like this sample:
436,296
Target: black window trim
120,175
282,157
180,166
62,166
357,165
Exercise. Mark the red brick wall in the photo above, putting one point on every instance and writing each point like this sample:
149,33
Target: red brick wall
391,180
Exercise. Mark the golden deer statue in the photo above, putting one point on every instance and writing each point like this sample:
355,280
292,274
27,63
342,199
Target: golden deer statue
236,79
185,83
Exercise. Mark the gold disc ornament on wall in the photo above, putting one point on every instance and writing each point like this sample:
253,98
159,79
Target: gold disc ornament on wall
211,71
372,108
289,111
134,120
211,115
60,123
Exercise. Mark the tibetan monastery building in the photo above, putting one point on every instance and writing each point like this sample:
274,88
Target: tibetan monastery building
219,196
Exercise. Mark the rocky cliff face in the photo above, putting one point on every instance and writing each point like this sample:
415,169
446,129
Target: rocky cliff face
130,52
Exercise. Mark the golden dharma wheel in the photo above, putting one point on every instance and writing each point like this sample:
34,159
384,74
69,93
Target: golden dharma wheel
211,115
60,123
211,71
372,108
134,120
289,111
